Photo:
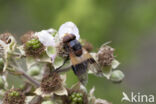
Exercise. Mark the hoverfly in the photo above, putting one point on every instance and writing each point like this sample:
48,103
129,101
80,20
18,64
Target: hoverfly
80,59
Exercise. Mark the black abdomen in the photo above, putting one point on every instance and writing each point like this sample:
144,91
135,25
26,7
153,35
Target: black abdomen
80,68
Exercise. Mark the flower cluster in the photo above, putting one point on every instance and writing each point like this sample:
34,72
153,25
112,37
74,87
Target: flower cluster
43,59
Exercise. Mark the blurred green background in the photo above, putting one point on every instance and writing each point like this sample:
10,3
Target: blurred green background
129,24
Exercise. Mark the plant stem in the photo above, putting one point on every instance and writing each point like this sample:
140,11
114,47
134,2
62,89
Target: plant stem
20,70
36,83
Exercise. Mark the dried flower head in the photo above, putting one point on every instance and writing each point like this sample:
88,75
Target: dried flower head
26,37
5,37
51,83
34,47
14,96
105,55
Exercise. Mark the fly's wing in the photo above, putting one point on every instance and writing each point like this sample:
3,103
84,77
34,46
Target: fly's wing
92,64
95,68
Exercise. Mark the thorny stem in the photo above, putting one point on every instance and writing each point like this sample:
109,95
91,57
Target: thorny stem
37,84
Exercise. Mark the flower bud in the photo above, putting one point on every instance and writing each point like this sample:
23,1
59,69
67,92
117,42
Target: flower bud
2,83
117,76
76,98
76,95
105,55
14,96
34,47
34,71
1,65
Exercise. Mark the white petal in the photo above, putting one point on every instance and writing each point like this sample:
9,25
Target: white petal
2,43
70,28
28,99
46,37
51,31
101,101
91,93
63,77
51,52
47,102
39,92
61,91
115,64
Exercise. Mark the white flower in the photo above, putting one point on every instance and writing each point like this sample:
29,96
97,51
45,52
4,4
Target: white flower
46,37
70,28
